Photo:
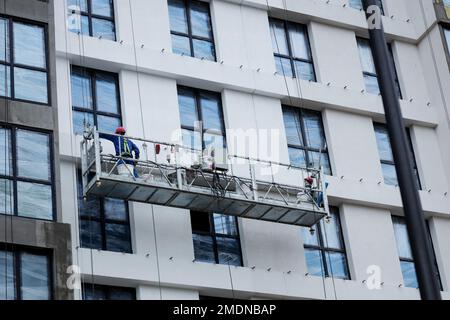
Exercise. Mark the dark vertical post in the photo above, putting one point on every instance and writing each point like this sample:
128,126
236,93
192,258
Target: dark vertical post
420,242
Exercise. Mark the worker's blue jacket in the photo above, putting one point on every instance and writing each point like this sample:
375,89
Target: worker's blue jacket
124,147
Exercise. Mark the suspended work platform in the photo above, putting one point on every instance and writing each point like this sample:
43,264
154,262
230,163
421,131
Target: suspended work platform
176,176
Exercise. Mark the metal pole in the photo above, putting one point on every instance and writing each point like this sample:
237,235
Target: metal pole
420,242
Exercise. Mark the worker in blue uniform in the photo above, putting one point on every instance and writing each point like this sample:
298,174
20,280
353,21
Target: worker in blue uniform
124,148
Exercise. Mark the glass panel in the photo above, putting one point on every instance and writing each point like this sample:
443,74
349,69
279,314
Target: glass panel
389,174
107,94
79,119
7,278
93,292
297,157
213,140
77,5
284,67
29,45
357,4
402,239
332,233
192,139
311,239
365,54
384,145
318,160
292,126
279,39
90,234
118,238
187,105
304,70
337,265
30,85
102,8
107,124
225,224
33,155
203,248
229,251
78,24
90,207
5,81
103,28
6,197
314,262
35,278
447,37
6,154
211,112
200,19
315,137
81,89
204,49
299,41
181,45
35,200
409,274
371,84
115,209
121,294
177,14
4,40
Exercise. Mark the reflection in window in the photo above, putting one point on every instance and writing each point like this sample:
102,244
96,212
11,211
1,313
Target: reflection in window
24,63
387,158
104,223
306,139
95,100
358,4
24,276
93,18
216,238
191,29
292,52
28,170
101,292
325,250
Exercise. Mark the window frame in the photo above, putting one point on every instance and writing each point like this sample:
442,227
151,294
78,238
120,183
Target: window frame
17,264
91,16
103,221
323,249
304,147
291,57
92,74
12,65
214,235
198,110
107,290
190,35
15,178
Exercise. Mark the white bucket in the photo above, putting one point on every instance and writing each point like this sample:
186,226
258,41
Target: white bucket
125,170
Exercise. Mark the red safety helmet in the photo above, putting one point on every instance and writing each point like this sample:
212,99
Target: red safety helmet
121,130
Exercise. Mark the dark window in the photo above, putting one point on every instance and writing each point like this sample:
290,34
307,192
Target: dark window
306,139
23,61
101,292
292,51
94,18
447,36
216,238
436,266
387,157
325,250
369,71
358,4
191,29
26,173
104,223
201,118
25,275
95,100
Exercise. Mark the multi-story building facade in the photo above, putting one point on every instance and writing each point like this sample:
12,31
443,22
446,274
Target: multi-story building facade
300,68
